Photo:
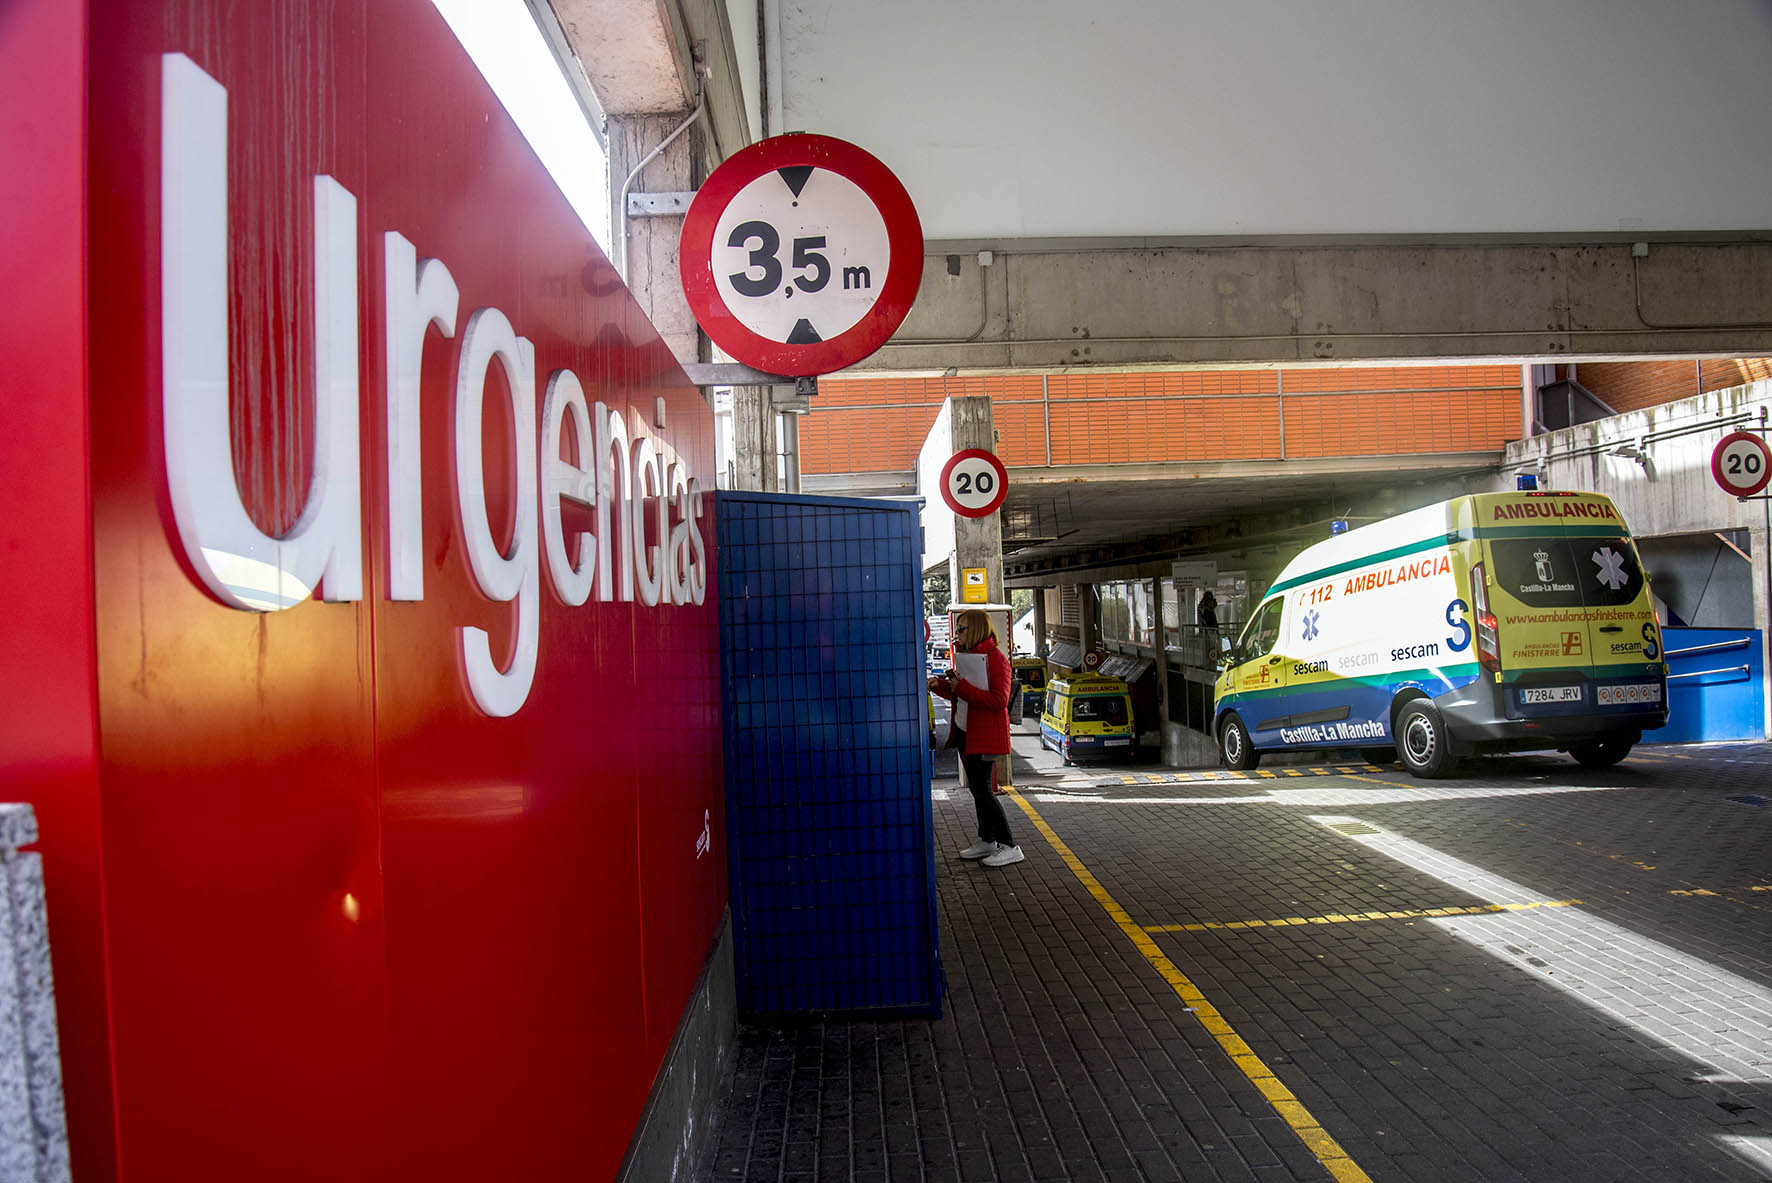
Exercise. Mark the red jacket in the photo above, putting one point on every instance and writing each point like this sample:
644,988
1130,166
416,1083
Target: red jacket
987,720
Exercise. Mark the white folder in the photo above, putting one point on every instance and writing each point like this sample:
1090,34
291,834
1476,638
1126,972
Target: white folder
969,667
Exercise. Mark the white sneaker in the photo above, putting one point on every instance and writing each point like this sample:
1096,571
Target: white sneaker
982,849
1005,856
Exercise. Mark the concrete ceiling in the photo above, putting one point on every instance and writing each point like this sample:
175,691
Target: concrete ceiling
1176,183
1197,118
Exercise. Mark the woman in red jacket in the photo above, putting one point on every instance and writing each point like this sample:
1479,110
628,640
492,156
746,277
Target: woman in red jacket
985,735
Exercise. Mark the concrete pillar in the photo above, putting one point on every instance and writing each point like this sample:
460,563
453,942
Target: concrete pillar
1088,626
753,439
1162,656
978,542
1040,646
790,452
646,248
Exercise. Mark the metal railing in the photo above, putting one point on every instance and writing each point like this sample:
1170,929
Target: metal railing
1714,647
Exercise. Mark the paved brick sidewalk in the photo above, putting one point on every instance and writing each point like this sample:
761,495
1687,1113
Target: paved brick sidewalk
1407,960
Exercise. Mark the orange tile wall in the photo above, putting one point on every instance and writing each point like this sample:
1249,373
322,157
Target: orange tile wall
1631,386
879,424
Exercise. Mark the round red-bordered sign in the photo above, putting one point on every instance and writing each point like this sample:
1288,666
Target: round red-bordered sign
801,255
974,483
1741,464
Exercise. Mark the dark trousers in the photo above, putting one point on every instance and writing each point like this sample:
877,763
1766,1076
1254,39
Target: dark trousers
981,778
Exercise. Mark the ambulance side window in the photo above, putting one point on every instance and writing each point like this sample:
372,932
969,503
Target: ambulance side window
1263,631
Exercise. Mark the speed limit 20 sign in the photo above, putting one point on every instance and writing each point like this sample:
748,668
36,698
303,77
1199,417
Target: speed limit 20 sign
974,483
801,255
1741,463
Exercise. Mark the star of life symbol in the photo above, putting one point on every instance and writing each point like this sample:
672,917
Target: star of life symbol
1611,565
1542,558
1310,625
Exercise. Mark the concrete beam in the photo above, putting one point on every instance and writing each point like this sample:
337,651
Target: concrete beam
635,53
643,57
711,35
1052,304
897,483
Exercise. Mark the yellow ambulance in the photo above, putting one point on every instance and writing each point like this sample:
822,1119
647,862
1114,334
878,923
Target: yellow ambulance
1031,673
1087,716
1493,622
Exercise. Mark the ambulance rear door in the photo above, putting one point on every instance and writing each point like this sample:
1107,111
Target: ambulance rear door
1562,604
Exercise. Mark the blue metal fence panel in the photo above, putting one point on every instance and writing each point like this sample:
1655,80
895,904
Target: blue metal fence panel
1716,685
828,819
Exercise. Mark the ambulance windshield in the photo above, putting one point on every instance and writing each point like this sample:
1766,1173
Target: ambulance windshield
1099,708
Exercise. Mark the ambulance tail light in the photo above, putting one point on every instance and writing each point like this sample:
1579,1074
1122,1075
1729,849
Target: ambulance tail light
1488,634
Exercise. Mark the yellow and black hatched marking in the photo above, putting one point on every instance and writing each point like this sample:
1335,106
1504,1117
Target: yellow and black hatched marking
1220,775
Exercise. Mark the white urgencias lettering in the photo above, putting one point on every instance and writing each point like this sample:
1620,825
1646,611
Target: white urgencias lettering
245,567
677,515
574,480
615,491
419,295
516,575
649,560
614,470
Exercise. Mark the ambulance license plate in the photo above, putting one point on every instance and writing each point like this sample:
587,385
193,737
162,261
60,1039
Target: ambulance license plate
1116,743
1531,695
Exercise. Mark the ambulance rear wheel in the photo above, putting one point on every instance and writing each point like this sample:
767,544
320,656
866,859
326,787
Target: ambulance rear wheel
1234,745
1423,743
1602,752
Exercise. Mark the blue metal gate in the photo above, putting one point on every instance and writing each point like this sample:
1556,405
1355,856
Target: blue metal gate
1716,685
828,821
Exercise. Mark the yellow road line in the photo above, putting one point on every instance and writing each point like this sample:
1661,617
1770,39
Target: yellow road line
1316,1139
1719,893
1359,917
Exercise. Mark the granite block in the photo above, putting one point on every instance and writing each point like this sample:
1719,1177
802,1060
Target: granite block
33,1122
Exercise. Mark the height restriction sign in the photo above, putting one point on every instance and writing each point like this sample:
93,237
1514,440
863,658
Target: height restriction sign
801,255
